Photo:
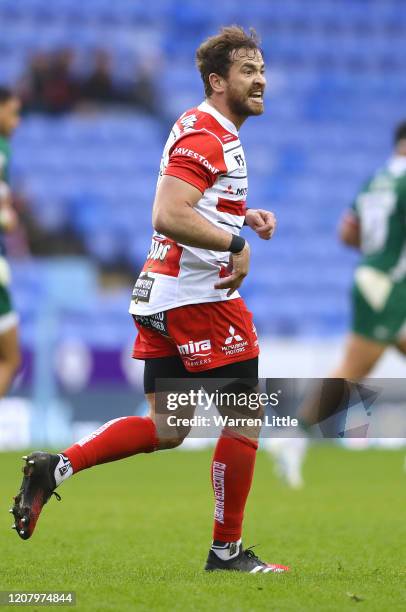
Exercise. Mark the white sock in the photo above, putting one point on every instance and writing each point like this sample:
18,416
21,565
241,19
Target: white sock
226,550
63,469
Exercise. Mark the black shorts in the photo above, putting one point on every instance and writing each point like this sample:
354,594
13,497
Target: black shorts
168,369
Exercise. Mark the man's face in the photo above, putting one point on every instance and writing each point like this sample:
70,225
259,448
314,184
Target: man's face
245,84
9,116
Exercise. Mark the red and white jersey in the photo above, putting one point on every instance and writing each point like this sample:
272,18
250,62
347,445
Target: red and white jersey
204,150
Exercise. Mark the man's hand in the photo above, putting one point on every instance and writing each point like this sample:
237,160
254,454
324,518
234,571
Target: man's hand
238,266
349,230
262,222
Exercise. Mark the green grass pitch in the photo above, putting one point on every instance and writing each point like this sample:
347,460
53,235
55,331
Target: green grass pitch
133,535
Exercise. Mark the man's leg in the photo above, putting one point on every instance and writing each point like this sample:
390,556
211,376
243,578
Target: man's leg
223,331
117,439
360,356
232,471
10,357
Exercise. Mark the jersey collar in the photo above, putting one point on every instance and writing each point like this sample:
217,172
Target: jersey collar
205,107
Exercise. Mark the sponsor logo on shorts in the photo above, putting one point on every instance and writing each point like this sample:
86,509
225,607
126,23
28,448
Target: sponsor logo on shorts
195,352
198,348
234,343
155,321
233,336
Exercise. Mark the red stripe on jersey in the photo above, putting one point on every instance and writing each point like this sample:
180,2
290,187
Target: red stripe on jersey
189,172
197,158
164,257
232,207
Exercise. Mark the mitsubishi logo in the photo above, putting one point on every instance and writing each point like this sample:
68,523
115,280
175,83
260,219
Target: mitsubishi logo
232,336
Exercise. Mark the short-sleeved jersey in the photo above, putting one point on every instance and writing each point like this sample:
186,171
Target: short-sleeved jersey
381,212
204,150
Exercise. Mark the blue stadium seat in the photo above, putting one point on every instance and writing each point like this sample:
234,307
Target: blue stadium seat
336,88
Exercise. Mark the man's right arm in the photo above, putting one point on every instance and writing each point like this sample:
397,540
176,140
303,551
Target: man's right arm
174,216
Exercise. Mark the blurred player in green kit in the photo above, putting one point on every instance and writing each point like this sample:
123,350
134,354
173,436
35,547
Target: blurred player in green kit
376,225
9,345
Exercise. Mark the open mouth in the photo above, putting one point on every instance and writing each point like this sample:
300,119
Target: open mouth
257,96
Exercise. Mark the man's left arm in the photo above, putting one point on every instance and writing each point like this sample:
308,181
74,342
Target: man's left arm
263,222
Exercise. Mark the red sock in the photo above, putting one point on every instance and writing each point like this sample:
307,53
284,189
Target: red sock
114,440
231,476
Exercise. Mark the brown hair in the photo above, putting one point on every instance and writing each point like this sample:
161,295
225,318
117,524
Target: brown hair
400,132
215,53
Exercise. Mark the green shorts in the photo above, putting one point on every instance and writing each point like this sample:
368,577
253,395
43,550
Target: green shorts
379,315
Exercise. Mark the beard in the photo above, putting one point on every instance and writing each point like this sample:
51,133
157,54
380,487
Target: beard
239,104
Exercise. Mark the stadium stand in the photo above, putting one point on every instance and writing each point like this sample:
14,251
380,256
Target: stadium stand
336,88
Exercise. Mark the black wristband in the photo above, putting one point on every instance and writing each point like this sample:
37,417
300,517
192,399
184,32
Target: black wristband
237,244
245,222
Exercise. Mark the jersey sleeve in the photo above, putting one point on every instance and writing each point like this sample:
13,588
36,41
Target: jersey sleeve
198,159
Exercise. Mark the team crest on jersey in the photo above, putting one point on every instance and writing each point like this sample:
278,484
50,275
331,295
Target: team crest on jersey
188,121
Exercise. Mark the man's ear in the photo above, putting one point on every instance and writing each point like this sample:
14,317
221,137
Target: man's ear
217,82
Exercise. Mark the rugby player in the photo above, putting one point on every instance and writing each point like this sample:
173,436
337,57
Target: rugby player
190,318
376,225
9,345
